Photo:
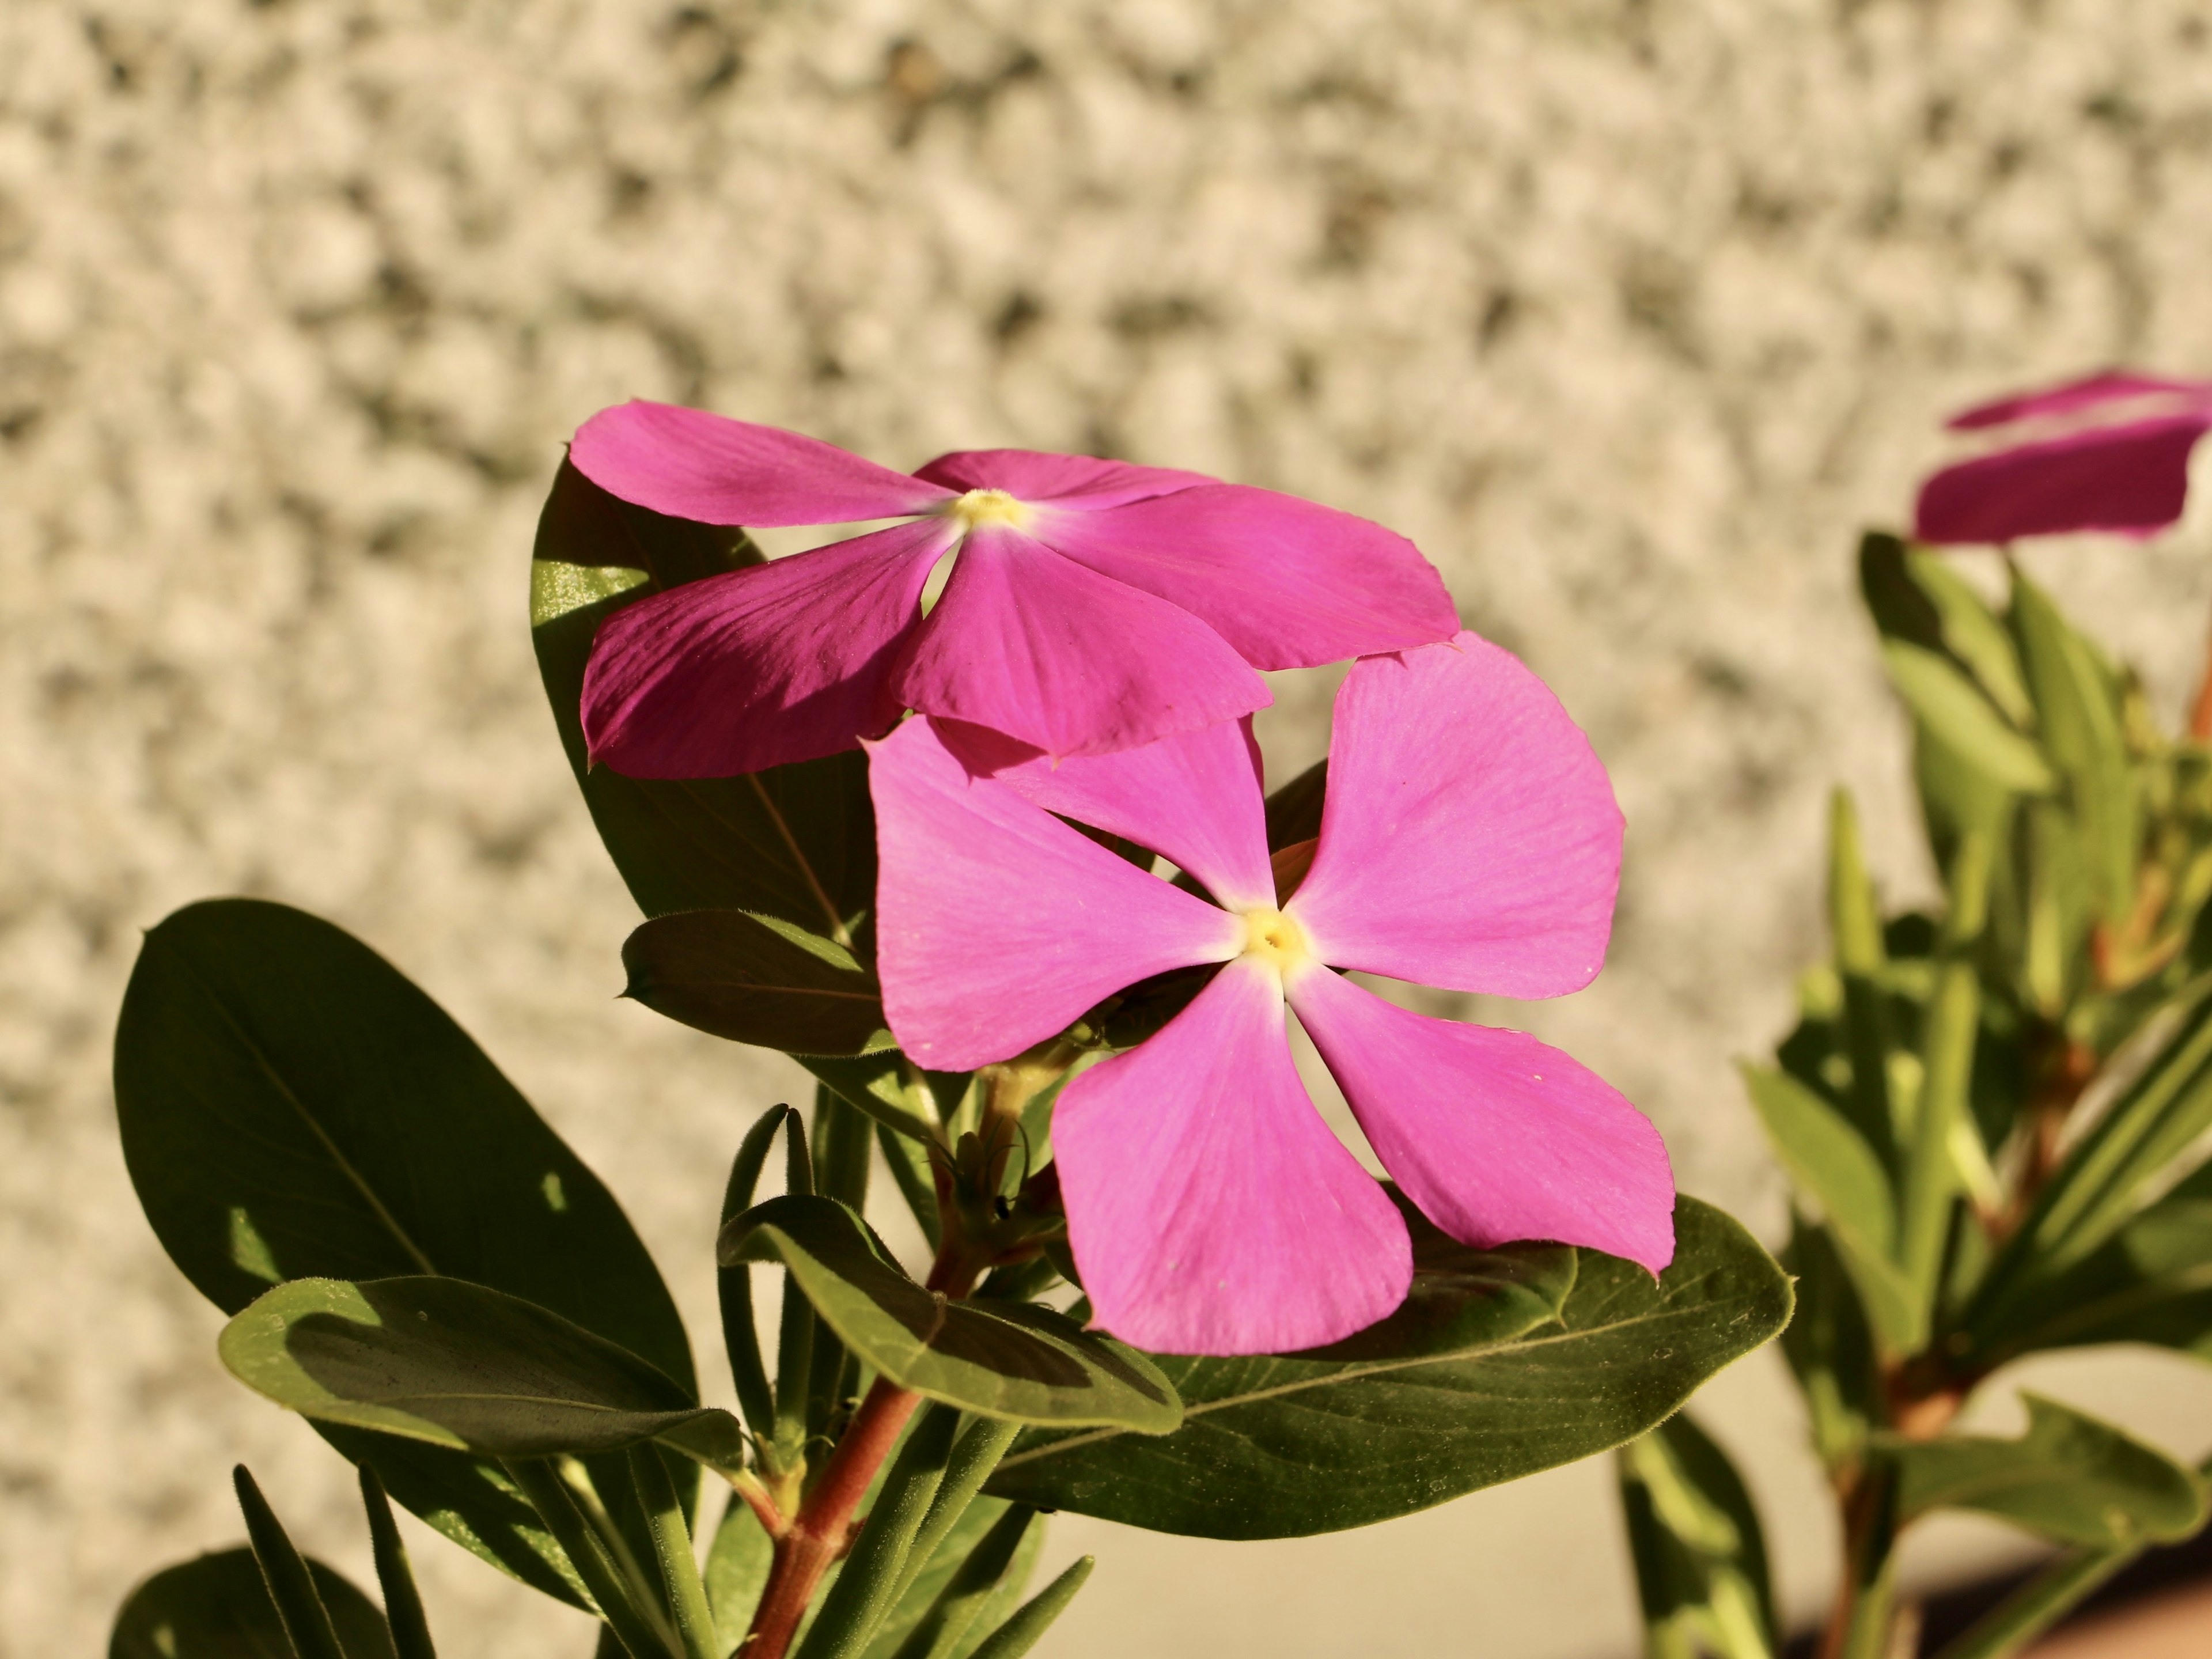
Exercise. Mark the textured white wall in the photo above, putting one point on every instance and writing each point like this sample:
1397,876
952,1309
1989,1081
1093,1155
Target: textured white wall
1629,312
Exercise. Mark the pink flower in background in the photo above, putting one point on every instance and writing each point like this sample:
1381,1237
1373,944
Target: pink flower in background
1470,839
1093,606
2108,452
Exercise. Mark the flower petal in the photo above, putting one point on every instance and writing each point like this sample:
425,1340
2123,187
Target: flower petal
1469,837
782,662
1076,481
1038,647
696,465
2132,478
1210,1209
996,924
2116,386
1289,583
1494,1135
1195,796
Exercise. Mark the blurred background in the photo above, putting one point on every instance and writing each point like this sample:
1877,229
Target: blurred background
1630,312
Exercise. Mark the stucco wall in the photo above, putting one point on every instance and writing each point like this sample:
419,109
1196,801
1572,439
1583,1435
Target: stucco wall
1629,313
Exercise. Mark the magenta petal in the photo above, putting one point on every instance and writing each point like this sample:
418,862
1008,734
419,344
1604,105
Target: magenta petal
1195,796
996,924
693,465
2073,396
782,662
1210,1209
2132,478
1469,837
1077,481
1494,1135
1290,584
1037,646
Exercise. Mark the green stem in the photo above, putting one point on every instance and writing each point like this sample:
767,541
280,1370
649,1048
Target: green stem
671,1544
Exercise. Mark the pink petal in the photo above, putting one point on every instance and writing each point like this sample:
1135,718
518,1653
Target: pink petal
1290,584
1469,837
1076,481
1492,1134
1038,647
2132,478
2114,386
1210,1208
1195,796
997,926
693,465
782,662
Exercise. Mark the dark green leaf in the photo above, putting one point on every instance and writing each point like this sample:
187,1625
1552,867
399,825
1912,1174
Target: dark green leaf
1827,1159
456,1365
1294,810
292,1107
217,1607
1283,1446
758,980
2070,1478
796,843
1917,597
1830,1346
1000,1358
403,1602
307,1622
892,1090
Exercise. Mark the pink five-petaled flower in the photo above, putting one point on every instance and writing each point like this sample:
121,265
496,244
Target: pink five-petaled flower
1094,606
2107,453
1470,839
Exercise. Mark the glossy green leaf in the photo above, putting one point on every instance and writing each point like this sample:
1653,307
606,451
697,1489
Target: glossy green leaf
1282,1446
1957,712
2070,1478
455,1364
758,980
1828,1161
1001,1359
217,1607
1698,1550
291,1107
797,842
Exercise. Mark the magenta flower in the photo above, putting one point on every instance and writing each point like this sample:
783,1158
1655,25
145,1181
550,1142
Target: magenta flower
1470,839
1093,606
2108,452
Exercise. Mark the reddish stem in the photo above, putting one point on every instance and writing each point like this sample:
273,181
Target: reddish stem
824,1523
2200,714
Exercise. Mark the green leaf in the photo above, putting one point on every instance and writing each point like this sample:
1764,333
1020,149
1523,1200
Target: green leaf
1957,712
892,1090
1829,1162
308,1627
1830,1346
1282,1446
403,1601
2078,706
1035,1616
967,1587
455,1364
2151,1282
217,1607
758,980
796,843
293,1107
1294,810
1000,1358
1919,598
1700,1556
2070,1478
737,1568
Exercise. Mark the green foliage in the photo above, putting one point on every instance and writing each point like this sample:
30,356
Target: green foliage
1006,1359
1700,1558
218,1607
1507,1362
758,980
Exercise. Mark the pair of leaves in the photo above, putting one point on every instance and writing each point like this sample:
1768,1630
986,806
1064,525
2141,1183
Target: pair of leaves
1700,1556
2069,1478
1503,1364
293,1107
1005,1359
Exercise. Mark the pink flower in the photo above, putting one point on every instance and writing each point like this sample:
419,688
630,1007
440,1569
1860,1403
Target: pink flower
1094,606
2108,452
1470,839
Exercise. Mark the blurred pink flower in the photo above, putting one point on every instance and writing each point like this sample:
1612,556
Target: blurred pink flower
2107,453
1470,839
1094,606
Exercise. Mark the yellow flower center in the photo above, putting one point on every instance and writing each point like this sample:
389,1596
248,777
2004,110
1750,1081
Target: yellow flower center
1274,938
978,508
